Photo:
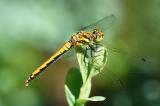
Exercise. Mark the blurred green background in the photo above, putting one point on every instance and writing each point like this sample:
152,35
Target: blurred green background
32,30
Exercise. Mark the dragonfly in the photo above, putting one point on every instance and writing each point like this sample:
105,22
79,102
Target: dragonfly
89,35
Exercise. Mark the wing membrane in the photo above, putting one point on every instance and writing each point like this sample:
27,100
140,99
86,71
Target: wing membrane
103,24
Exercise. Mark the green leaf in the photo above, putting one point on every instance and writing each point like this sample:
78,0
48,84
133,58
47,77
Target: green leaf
72,85
99,60
74,81
70,97
94,63
90,66
96,98
78,89
81,102
83,68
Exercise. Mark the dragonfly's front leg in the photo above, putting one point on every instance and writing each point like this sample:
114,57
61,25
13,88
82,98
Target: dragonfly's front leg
93,49
86,54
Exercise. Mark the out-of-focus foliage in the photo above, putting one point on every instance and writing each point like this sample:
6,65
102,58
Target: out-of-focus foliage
31,30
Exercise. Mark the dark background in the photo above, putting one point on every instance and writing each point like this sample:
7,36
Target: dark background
32,30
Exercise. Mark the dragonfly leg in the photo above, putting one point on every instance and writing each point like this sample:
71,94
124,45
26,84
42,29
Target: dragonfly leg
88,52
95,50
92,50
85,55
94,47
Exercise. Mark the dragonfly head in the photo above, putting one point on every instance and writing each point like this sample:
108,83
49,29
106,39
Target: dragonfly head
98,35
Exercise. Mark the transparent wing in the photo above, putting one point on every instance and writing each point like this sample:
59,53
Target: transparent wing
103,24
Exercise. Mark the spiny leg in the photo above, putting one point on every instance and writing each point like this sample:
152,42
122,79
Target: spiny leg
91,49
86,55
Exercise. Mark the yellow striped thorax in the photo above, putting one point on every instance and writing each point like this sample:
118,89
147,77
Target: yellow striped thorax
85,37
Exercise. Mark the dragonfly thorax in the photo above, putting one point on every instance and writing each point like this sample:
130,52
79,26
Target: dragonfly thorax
86,37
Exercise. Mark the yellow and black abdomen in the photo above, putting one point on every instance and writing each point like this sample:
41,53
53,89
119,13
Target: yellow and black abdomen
52,59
